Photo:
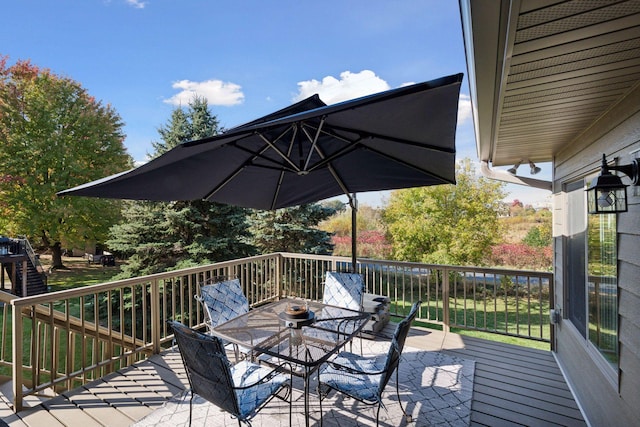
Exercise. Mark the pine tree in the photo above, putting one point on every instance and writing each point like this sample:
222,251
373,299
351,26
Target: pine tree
157,236
292,229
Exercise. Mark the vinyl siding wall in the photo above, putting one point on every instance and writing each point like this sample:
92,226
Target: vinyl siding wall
606,398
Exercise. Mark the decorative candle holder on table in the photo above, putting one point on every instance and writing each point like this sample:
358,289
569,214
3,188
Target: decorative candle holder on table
295,317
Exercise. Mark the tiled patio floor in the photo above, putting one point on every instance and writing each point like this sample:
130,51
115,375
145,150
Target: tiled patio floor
435,389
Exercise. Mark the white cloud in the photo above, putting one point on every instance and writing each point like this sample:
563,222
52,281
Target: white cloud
216,92
348,86
464,109
138,4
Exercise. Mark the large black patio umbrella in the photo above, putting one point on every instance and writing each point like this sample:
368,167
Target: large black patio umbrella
308,152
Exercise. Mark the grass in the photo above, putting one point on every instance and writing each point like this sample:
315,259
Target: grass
488,323
78,273
507,339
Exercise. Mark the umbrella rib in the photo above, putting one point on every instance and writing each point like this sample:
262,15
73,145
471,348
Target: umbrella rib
314,140
223,183
277,150
259,155
327,160
333,172
237,171
363,134
352,146
281,177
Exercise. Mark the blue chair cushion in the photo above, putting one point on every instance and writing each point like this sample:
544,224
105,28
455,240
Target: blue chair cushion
359,386
247,373
343,290
224,301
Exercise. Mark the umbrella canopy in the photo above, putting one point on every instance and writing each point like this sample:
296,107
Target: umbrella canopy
307,152
395,139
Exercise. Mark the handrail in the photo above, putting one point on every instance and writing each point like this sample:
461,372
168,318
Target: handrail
28,249
78,335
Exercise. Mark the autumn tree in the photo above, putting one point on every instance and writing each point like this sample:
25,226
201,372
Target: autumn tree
53,136
446,224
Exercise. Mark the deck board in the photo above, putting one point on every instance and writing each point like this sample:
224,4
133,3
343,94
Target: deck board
513,386
97,408
68,413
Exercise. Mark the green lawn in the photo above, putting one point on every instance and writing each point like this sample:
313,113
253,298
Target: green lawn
489,321
79,273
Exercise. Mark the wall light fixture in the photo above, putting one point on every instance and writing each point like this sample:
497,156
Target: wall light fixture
607,193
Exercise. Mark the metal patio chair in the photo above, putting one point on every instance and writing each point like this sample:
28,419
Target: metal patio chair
242,389
343,290
223,301
364,378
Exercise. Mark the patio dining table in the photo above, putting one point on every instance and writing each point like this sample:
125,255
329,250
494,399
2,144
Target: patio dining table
306,340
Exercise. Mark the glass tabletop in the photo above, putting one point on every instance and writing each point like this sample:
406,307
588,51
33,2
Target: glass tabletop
275,337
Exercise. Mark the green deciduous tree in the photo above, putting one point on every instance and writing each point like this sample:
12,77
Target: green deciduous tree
53,136
538,237
446,224
158,236
292,229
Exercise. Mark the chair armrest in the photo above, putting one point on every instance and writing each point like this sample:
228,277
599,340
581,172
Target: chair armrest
351,370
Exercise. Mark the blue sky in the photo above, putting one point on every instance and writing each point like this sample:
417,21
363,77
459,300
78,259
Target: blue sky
248,58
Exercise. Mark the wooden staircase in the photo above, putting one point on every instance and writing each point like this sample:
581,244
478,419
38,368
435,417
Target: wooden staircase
17,254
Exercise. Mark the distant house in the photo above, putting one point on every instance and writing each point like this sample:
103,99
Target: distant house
559,81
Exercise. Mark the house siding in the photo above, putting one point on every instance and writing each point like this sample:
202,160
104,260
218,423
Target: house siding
606,398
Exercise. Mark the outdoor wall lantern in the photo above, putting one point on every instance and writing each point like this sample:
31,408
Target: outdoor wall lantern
607,193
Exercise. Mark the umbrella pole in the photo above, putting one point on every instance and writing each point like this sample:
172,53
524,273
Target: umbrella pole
353,202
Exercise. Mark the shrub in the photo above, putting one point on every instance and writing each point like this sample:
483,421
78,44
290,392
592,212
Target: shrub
521,256
371,244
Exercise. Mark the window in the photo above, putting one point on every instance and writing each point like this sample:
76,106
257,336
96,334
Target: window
576,244
591,287
602,271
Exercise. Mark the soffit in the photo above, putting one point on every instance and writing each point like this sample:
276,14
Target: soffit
543,71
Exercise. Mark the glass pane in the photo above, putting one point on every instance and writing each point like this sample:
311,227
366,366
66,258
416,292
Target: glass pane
603,286
576,264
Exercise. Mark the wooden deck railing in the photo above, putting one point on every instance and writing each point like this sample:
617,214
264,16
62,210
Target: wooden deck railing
71,337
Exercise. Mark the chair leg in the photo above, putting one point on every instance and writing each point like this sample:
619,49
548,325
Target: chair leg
190,407
320,399
291,400
408,417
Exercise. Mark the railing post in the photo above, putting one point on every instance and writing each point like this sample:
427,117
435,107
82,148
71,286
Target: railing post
16,339
446,326
24,277
155,316
279,270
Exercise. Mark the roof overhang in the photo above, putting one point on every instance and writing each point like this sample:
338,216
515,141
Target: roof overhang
541,72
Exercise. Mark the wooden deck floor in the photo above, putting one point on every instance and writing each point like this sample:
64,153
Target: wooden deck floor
513,386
